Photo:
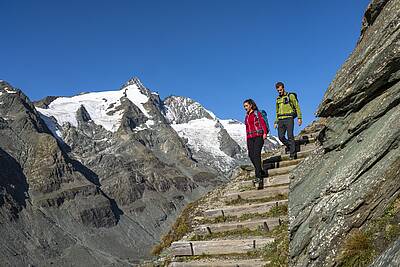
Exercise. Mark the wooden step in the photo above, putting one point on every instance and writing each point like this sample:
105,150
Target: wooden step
300,155
221,263
305,139
218,247
282,157
258,194
243,209
276,180
309,135
278,164
301,147
265,224
280,171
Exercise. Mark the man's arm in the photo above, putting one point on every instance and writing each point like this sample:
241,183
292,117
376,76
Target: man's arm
276,116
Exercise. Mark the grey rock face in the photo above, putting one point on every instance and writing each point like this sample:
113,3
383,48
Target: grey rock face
354,178
391,258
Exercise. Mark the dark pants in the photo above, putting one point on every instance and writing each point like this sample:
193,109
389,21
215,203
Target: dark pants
254,145
283,126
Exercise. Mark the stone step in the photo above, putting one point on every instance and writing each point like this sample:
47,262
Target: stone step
258,194
264,224
218,247
276,180
221,263
280,171
243,209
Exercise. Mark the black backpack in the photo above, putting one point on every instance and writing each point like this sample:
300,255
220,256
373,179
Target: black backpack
294,109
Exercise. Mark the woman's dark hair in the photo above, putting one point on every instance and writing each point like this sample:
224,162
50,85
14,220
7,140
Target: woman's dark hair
251,103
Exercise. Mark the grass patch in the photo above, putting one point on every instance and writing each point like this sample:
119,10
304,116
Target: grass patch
276,211
246,188
181,227
245,232
362,246
233,256
233,233
277,253
240,201
358,250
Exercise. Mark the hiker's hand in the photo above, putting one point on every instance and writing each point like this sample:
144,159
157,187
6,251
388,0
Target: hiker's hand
300,121
264,136
275,125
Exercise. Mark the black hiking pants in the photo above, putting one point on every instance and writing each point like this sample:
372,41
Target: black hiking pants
254,146
287,125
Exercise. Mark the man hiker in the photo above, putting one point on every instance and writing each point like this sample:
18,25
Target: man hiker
287,109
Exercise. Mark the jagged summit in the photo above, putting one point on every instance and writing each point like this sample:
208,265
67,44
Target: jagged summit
180,109
105,108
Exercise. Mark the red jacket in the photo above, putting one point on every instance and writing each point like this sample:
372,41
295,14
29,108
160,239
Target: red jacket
255,126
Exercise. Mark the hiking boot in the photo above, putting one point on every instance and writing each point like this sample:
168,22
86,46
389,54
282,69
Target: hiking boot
264,174
293,156
260,185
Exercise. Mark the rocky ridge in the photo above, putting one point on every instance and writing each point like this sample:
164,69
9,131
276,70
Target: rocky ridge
347,192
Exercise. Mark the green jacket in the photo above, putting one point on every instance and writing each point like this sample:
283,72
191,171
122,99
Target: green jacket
286,106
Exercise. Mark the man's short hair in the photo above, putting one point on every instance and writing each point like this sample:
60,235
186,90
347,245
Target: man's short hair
279,84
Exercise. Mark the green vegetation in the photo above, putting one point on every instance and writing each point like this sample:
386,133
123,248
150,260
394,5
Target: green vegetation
181,227
362,246
277,253
249,255
245,232
358,250
240,201
276,211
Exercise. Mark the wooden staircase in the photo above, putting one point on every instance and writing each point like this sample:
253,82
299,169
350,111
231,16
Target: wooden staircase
235,234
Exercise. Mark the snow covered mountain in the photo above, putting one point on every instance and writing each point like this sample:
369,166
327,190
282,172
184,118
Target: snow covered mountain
237,129
109,171
214,142
219,144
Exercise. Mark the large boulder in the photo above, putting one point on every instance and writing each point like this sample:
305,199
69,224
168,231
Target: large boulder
350,182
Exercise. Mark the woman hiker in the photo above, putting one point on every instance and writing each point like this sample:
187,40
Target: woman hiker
256,132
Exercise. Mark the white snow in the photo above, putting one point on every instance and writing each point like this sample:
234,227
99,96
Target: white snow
133,93
237,130
101,106
202,135
10,91
185,105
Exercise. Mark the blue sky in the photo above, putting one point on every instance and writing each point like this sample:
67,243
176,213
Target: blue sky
218,52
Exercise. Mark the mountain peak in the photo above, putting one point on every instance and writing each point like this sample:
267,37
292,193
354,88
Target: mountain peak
180,109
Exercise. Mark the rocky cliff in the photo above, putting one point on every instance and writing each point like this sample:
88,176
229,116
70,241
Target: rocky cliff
343,201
